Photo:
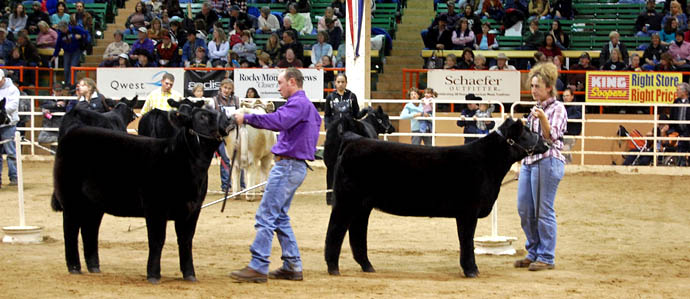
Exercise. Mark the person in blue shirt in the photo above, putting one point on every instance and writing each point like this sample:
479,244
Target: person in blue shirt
190,46
70,39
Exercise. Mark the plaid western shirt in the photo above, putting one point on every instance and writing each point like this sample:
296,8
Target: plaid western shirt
159,99
558,120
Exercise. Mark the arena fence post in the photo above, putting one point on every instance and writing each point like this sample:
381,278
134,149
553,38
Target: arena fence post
21,234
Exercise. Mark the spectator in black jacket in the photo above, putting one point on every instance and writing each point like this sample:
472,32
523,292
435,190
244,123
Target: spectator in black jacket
614,42
561,9
474,21
439,37
289,41
574,128
335,34
208,15
247,22
648,22
36,16
452,17
652,55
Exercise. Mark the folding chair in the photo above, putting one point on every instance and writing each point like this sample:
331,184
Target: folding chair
636,142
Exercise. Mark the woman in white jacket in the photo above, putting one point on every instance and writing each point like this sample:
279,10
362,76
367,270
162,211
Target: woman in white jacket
218,48
10,94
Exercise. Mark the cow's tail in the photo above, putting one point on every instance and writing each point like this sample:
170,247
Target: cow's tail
55,203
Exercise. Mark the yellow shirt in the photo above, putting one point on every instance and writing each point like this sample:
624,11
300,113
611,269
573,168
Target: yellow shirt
158,99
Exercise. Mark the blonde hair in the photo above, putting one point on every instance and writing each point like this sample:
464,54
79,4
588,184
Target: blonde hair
547,72
227,81
90,83
198,86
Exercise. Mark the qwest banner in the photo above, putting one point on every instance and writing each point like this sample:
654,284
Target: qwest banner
265,81
209,79
501,86
632,87
128,82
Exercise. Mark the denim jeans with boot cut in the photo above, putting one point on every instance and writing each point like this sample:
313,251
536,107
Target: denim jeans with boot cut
283,180
10,150
541,178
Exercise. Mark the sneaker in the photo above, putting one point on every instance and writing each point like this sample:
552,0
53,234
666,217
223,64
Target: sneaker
13,183
523,263
249,275
286,274
538,266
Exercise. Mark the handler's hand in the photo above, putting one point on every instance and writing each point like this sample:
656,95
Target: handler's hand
538,113
239,118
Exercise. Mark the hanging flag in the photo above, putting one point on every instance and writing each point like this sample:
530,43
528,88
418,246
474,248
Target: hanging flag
355,10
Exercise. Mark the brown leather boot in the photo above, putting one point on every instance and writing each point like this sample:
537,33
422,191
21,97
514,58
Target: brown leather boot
248,275
523,263
538,266
282,273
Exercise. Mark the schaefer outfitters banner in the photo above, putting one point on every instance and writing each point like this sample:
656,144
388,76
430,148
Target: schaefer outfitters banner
632,87
265,81
116,83
209,79
503,86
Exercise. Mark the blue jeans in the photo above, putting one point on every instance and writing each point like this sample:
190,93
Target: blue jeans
225,181
542,177
10,151
283,180
70,60
419,139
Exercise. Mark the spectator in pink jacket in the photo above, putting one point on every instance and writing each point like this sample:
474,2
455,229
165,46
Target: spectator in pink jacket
680,51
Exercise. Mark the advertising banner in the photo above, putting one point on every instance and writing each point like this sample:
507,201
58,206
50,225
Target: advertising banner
209,79
632,87
265,81
503,86
116,83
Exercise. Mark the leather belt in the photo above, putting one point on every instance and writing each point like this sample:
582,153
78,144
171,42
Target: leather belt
279,158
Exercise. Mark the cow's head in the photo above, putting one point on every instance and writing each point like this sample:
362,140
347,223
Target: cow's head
4,118
378,119
521,140
202,122
129,104
185,101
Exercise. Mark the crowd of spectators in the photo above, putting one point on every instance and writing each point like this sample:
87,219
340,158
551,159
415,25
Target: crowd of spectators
470,30
171,37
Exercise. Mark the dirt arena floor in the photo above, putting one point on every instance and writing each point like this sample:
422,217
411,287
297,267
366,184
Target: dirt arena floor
619,236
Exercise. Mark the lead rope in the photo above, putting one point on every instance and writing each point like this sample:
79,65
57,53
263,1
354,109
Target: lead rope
232,163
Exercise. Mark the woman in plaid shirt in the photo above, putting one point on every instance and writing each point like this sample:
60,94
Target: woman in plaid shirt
541,173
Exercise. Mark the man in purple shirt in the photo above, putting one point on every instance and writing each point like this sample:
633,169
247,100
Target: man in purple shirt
298,123
143,42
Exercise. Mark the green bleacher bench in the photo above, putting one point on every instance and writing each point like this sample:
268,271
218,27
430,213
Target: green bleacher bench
272,6
509,42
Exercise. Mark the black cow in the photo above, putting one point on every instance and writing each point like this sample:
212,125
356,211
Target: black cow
160,179
116,119
371,123
155,123
422,181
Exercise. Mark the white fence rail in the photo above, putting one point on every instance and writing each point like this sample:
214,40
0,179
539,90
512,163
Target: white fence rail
31,129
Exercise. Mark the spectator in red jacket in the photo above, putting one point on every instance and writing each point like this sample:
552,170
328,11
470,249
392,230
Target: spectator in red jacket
549,48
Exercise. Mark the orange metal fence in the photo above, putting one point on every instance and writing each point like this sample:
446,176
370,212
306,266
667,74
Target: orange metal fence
37,72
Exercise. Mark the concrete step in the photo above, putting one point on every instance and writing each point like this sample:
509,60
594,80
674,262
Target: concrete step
413,11
408,44
403,60
420,4
386,94
423,19
405,52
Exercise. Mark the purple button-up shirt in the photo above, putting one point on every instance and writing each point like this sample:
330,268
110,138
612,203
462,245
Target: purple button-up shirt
298,123
146,45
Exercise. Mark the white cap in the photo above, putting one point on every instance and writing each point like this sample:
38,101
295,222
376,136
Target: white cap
142,29
2,74
123,55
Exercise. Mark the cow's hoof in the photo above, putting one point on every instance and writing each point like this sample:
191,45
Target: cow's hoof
333,272
190,278
95,270
369,269
74,271
154,280
472,274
